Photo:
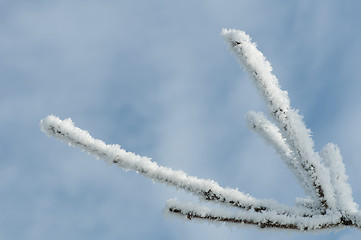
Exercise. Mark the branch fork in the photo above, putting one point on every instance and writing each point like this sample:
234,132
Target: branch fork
322,175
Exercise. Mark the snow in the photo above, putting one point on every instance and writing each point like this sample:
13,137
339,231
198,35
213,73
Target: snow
315,176
268,219
112,154
329,202
333,160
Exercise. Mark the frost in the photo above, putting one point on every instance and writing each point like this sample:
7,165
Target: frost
333,160
113,154
329,202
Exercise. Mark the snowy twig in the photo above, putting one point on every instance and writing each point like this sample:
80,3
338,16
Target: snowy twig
329,203
333,160
264,220
290,123
113,154
271,133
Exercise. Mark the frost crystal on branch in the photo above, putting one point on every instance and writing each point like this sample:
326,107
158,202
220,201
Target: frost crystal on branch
329,203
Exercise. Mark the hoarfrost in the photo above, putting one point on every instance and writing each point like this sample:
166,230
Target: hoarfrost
329,203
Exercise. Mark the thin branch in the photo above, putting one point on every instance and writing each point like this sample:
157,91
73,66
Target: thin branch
113,154
343,193
324,179
271,133
290,122
262,220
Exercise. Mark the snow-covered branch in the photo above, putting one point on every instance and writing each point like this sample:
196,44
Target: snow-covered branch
66,131
271,133
268,219
333,160
329,201
294,131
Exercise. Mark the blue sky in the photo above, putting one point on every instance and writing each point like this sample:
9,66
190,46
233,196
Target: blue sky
156,78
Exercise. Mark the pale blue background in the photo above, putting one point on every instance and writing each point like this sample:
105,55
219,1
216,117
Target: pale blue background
156,77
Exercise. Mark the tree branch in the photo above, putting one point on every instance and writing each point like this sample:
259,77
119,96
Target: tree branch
289,121
322,176
262,220
343,193
113,154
